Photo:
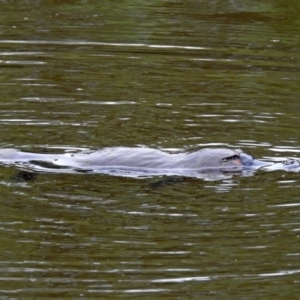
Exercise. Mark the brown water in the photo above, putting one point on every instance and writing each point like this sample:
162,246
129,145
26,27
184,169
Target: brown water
165,74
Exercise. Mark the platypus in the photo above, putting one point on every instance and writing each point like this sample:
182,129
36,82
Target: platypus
138,161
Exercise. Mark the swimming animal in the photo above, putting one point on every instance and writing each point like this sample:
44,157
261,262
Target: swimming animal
208,163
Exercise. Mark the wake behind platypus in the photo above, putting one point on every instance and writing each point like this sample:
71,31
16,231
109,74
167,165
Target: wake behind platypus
209,163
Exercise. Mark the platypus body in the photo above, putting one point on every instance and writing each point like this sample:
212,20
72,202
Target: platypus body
141,161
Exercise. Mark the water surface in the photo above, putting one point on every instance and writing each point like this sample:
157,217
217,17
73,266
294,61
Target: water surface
171,75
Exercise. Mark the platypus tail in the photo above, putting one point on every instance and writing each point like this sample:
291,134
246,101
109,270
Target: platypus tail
8,154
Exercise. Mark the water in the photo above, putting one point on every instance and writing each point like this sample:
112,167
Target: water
171,75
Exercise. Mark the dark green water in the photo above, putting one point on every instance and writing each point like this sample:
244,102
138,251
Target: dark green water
165,74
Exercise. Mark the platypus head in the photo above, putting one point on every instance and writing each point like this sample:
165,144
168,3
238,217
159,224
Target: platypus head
221,158
227,159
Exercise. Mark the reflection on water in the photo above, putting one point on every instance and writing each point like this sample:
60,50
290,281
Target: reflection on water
168,75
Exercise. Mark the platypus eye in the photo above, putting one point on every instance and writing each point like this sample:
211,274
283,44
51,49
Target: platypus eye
230,158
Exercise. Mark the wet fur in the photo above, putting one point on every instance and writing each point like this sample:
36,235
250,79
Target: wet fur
140,158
